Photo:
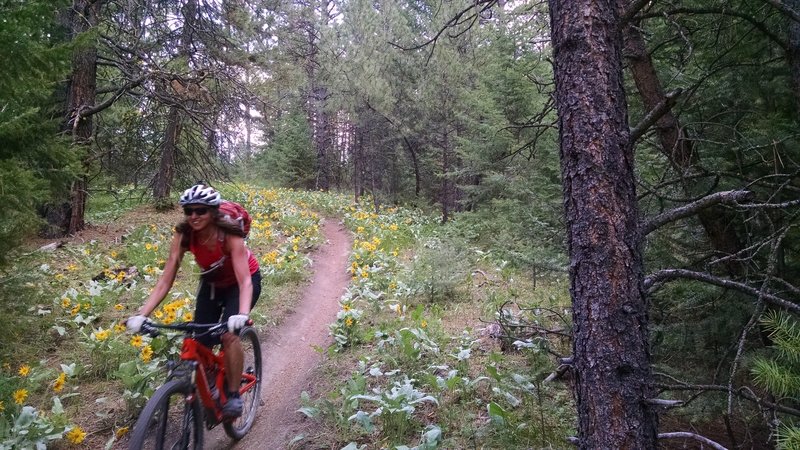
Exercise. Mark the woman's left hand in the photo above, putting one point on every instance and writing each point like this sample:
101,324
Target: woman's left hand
237,322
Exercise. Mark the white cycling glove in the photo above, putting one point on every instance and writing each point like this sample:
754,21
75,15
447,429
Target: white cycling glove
135,323
237,321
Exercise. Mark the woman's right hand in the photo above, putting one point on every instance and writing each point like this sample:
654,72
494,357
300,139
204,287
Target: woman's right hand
134,323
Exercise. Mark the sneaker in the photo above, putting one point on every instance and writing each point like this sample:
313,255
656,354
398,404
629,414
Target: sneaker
232,408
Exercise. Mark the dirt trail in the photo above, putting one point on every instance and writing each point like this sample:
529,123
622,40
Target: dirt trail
289,350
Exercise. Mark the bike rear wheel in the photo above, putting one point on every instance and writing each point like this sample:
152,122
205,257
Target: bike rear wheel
251,398
172,419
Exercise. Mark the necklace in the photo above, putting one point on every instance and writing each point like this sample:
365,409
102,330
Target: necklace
208,238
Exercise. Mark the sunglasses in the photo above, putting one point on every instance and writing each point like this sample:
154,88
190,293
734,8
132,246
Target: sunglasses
198,211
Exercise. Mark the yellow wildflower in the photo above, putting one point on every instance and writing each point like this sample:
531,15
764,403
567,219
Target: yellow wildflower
101,335
364,274
348,322
393,227
72,267
58,385
188,316
113,254
65,303
159,314
346,307
120,327
147,353
59,276
148,246
75,309
136,341
2,406
424,323
76,435
24,370
171,317
119,306
20,395
87,252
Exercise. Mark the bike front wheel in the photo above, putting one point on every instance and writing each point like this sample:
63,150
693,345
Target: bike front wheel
171,420
251,385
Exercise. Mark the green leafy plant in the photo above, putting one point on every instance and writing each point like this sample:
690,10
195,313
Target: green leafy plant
395,407
779,373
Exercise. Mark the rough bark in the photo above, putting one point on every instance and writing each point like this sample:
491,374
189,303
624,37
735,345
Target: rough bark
611,355
81,97
163,179
166,168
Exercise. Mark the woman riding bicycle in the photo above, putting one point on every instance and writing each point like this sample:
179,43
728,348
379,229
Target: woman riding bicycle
230,281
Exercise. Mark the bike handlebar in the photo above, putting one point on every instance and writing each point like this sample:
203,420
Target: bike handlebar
151,328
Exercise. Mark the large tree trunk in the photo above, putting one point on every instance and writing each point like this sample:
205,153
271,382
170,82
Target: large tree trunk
321,130
445,196
81,97
678,148
611,355
166,169
162,182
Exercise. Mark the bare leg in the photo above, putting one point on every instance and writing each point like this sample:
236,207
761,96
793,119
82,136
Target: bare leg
234,361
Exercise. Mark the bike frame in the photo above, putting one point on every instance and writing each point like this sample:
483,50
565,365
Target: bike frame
194,351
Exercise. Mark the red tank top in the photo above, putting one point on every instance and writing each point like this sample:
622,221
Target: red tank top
205,258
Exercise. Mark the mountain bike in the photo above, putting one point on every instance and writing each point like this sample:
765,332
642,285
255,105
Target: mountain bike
173,417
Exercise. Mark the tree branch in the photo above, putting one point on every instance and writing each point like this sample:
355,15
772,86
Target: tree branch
672,274
687,435
741,392
760,26
656,113
692,208
631,10
88,111
784,9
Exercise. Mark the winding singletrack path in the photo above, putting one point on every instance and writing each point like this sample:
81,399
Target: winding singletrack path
290,351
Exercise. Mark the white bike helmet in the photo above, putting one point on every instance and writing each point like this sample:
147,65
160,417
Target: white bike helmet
200,194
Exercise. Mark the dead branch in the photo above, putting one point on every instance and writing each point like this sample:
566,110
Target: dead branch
742,392
771,269
663,107
733,197
687,435
657,278
785,9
